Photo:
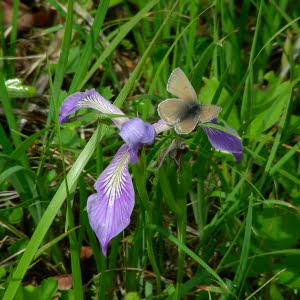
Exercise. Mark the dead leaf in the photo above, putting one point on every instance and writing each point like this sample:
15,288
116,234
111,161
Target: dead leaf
86,252
64,282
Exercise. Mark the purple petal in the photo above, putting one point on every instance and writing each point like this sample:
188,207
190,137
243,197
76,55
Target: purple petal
224,141
89,99
161,126
109,210
136,132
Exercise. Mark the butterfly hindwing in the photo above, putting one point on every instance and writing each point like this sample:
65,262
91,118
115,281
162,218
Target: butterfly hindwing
180,86
187,125
171,110
209,112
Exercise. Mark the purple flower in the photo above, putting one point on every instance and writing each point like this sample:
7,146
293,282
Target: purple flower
109,209
224,141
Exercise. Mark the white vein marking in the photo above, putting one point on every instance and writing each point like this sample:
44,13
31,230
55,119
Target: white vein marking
99,104
115,182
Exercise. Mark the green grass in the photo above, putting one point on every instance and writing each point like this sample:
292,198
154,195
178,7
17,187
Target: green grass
209,229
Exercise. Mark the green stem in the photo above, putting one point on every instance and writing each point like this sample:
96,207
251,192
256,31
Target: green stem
13,36
151,255
181,231
246,110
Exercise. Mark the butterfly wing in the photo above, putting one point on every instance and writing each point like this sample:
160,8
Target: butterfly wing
209,112
171,110
187,125
180,86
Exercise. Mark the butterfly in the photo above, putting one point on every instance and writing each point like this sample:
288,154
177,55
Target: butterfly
185,111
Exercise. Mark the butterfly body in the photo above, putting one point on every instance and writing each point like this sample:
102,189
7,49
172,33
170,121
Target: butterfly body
192,111
185,111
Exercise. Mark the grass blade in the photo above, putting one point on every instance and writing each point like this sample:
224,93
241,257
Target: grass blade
241,271
124,30
189,252
85,57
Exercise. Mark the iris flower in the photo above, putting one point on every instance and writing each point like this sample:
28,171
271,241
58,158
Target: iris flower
110,208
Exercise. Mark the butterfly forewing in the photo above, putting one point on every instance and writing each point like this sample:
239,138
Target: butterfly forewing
180,86
209,112
171,110
187,125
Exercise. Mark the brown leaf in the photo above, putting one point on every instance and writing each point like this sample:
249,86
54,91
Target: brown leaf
27,19
85,252
203,288
64,282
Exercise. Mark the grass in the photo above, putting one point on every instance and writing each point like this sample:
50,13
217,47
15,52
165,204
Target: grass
207,229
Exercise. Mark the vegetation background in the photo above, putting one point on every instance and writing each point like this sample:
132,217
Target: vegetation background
208,228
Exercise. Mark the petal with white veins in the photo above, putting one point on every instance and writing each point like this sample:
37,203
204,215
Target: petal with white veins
109,210
89,99
224,141
161,126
